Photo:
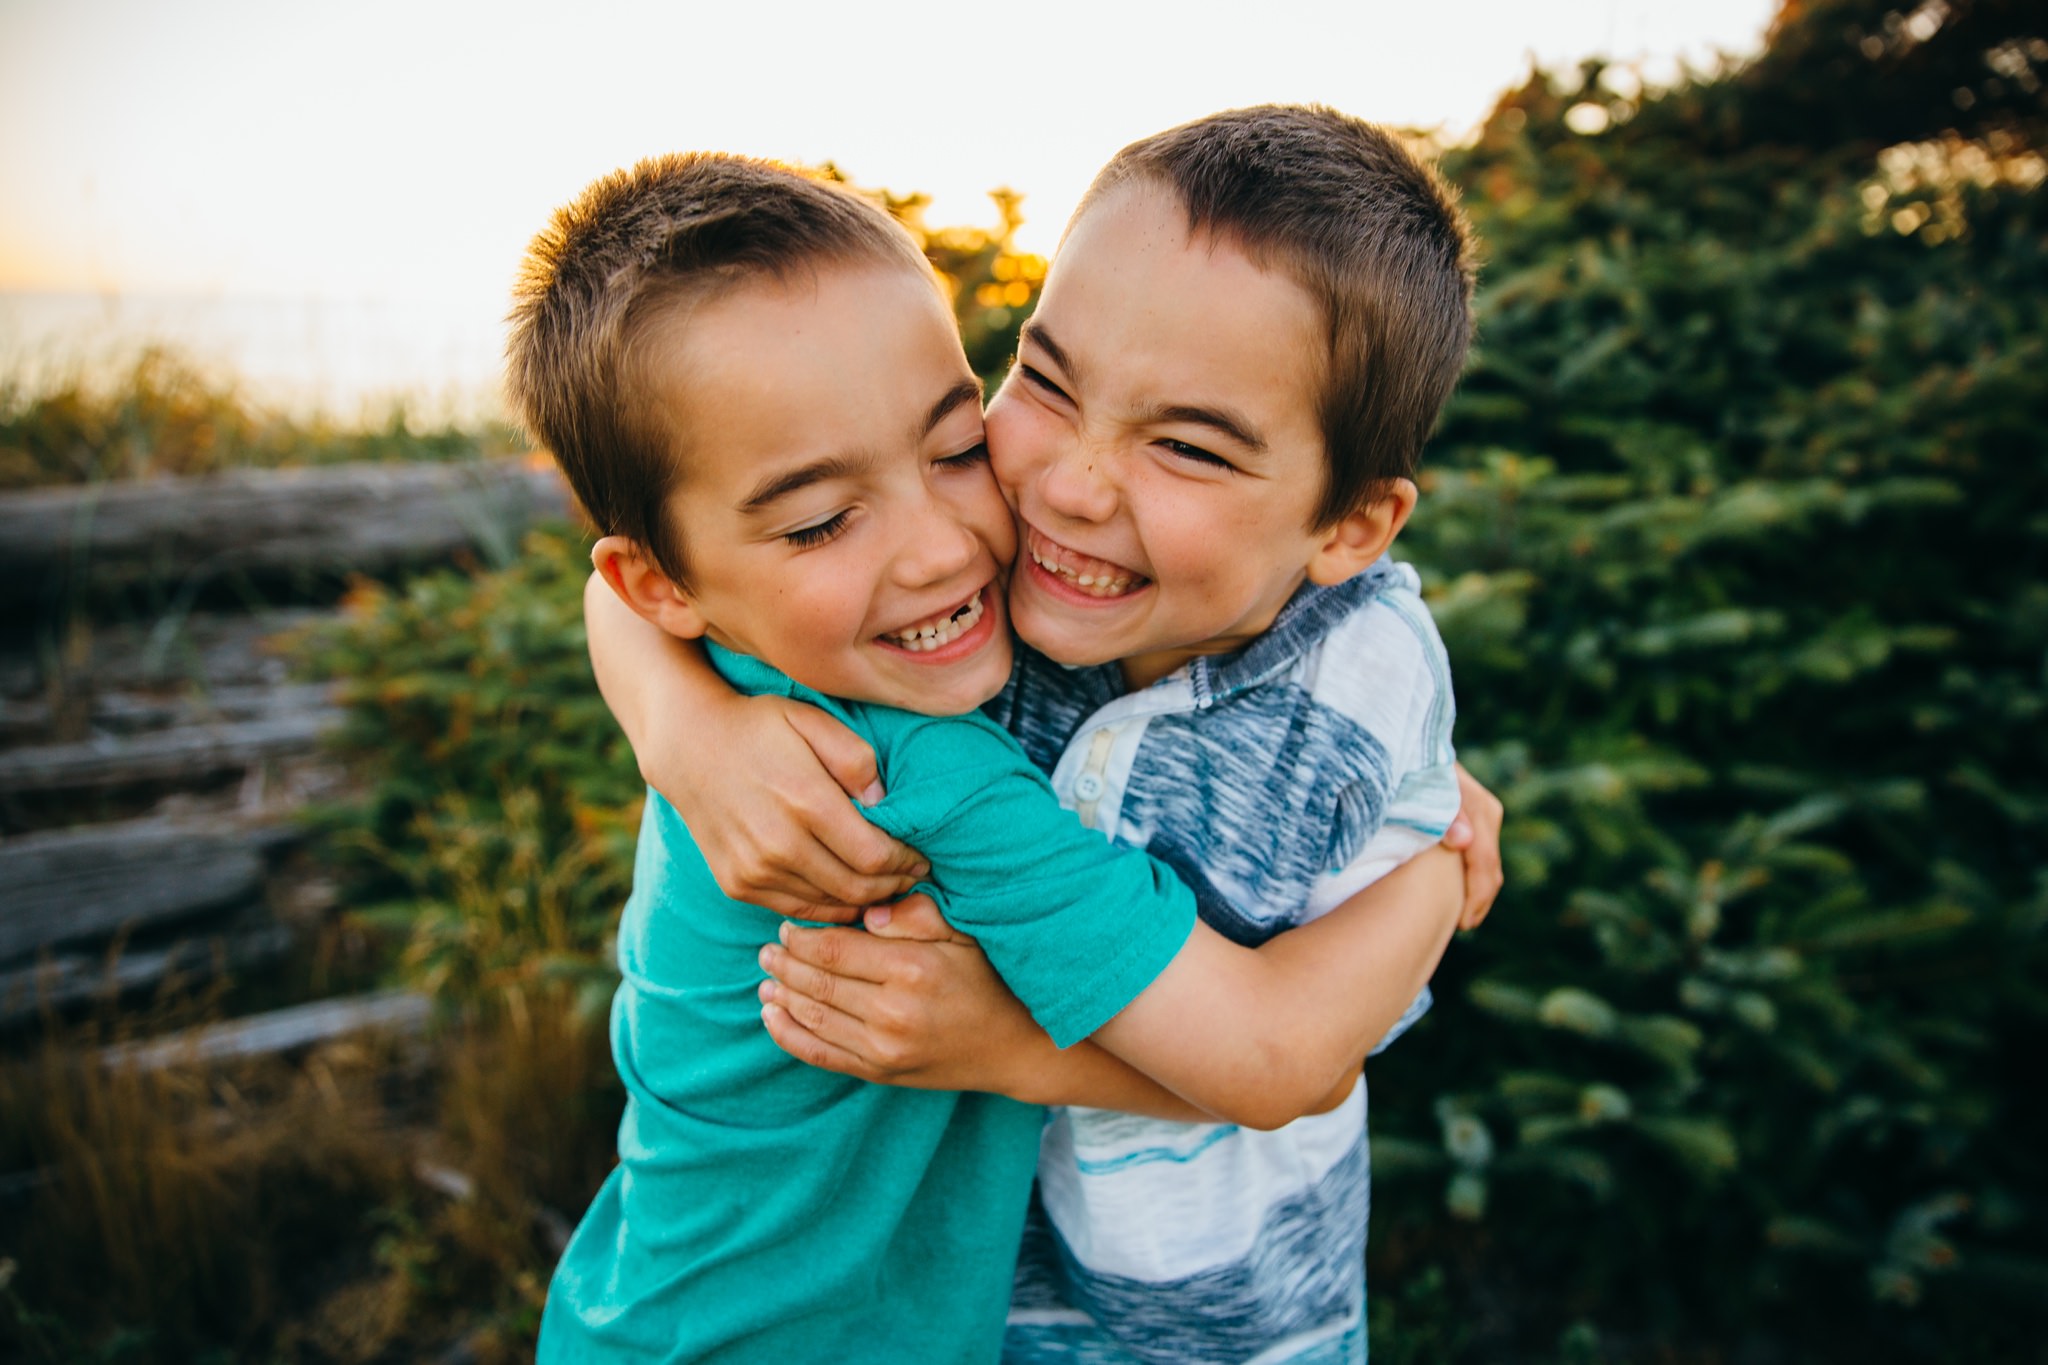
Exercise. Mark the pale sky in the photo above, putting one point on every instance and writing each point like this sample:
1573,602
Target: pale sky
252,146
406,151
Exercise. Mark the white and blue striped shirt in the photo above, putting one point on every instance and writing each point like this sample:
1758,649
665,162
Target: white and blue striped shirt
1277,781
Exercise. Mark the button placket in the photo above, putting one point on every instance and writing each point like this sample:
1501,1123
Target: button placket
1089,786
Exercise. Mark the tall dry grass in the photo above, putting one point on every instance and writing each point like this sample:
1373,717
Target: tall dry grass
368,1201
163,415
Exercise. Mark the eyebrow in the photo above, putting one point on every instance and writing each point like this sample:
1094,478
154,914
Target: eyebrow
1216,419
1234,425
777,486
1036,334
966,391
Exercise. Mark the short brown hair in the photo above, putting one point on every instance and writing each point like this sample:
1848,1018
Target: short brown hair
1374,235
613,264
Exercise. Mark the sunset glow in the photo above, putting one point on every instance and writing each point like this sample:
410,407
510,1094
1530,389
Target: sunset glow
383,151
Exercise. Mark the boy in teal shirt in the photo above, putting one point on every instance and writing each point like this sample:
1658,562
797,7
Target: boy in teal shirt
756,391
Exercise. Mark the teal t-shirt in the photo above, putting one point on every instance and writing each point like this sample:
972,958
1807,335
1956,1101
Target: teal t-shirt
765,1210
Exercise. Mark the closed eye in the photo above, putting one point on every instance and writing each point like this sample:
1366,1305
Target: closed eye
804,537
1195,454
1041,383
973,455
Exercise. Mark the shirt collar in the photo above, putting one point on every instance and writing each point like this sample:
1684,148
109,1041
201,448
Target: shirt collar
1307,617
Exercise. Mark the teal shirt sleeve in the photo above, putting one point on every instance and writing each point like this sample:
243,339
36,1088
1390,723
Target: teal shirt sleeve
1077,926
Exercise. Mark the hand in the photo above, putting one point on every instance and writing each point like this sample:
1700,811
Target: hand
1476,833
782,835
910,1002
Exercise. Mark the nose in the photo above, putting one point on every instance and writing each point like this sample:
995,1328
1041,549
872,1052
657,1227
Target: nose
1074,482
936,544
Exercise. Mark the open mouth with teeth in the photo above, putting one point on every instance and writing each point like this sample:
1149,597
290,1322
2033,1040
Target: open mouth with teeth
935,633
1079,573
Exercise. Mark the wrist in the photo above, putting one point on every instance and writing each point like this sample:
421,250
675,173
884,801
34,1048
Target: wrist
1033,1071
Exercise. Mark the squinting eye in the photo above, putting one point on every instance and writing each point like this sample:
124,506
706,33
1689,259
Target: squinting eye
1196,455
806,536
973,455
1039,381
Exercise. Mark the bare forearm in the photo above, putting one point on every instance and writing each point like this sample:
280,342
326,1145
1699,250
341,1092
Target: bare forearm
1086,1075
1263,1037
644,672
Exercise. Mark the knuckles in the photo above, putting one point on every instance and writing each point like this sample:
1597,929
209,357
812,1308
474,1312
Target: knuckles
894,1020
823,951
891,1055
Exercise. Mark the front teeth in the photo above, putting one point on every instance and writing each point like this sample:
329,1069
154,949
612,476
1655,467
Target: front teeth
940,631
1095,585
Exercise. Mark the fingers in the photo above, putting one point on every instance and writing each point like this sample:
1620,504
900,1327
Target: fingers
806,1046
845,755
803,876
837,1034
865,850
913,917
862,956
864,866
847,994
839,856
1483,813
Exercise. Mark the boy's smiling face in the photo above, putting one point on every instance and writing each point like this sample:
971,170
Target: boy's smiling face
835,510
1159,441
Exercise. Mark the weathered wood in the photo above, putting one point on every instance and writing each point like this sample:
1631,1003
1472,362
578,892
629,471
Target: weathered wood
57,983
190,752
133,712
332,519
209,651
285,1030
77,885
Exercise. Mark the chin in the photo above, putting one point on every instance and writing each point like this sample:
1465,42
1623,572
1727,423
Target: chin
1064,643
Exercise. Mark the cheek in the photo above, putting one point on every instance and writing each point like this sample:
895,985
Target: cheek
979,505
820,611
1016,443
1197,539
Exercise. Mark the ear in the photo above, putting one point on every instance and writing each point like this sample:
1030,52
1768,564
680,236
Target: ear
1351,546
639,582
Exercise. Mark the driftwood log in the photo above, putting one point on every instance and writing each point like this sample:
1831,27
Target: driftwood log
189,752
268,524
60,981
214,653
286,1030
77,885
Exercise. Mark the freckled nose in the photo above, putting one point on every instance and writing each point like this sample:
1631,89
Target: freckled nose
1074,485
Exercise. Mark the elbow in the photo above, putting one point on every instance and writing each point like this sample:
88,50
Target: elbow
1280,1098
1254,1112
1270,1119
1268,1114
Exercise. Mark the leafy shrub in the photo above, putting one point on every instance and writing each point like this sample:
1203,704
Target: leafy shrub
498,827
1735,534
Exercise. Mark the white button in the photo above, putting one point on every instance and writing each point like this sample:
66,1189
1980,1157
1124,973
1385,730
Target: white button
1087,787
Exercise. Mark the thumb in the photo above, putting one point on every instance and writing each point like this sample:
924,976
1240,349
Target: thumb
915,917
845,755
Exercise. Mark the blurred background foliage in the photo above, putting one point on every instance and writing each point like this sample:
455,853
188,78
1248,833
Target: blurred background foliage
160,415
1736,530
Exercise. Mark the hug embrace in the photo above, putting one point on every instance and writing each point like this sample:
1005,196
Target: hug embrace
1119,681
